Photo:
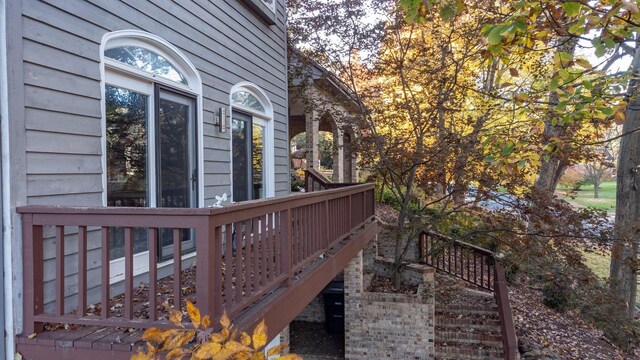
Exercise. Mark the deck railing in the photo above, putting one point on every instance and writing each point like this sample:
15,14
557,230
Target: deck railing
477,266
243,252
315,181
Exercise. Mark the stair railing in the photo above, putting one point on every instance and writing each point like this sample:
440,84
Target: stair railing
477,266
315,181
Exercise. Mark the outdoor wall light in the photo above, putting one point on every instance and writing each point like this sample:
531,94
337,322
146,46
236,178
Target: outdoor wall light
221,119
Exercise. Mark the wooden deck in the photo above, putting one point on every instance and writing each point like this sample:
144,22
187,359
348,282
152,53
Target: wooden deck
277,268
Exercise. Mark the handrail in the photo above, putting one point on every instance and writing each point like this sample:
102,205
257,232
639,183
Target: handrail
463,261
243,252
314,181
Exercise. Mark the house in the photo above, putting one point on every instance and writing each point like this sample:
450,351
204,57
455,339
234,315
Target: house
122,123
320,101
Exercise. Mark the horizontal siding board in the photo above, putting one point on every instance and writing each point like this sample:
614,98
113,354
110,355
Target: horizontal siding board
86,199
46,99
63,184
58,122
50,36
41,163
53,79
59,143
37,53
63,20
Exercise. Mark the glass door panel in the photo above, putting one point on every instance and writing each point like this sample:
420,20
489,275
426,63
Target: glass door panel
127,114
258,161
242,155
175,159
127,171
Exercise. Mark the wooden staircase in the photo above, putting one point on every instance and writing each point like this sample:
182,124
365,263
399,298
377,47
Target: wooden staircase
479,329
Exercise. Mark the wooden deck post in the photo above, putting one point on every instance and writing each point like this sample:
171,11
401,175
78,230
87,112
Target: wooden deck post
207,278
33,284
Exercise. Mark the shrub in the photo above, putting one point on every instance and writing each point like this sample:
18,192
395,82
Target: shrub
558,290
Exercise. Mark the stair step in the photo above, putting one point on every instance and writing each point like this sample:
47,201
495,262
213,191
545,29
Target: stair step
467,323
471,336
452,355
459,351
469,329
474,342
465,308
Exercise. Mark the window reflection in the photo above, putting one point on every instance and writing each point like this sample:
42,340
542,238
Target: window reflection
258,161
126,115
146,60
247,99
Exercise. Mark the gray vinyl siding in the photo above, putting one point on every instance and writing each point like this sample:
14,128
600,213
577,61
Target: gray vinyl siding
224,40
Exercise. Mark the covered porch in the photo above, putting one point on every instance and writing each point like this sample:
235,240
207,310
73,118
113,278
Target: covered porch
264,259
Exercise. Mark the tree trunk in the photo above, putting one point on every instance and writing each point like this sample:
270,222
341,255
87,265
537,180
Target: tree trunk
552,169
596,187
623,270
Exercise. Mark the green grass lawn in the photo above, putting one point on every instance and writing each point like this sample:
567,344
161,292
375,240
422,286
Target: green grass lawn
584,196
599,263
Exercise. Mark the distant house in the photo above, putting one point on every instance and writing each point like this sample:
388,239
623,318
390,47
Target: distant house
122,122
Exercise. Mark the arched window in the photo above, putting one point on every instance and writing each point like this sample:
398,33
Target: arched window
152,129
252,155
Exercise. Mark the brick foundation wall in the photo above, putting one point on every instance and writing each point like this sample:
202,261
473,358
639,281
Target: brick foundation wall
314,312
380,325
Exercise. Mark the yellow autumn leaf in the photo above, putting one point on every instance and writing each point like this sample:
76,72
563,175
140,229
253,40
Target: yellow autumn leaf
194,314
620,116
260,336
236,346
175,317
289,357
224,333
180,339
224,320
258,355
224,354
217,338
141,356
207,350
276,350
177,353
205,322
155,335
245,339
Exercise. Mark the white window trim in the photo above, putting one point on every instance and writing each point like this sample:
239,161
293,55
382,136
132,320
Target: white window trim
264,119
112,71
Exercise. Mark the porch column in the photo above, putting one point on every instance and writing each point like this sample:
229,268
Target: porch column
338,155
311,131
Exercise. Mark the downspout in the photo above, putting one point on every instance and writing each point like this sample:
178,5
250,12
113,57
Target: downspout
5,291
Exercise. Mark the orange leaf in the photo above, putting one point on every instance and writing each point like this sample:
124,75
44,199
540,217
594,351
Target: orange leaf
620,116
155,335
175,317
177,353
224,320
206,322
194,314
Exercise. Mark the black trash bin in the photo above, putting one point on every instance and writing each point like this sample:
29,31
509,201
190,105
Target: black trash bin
333,296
